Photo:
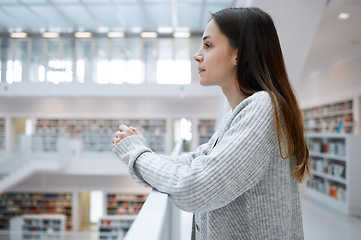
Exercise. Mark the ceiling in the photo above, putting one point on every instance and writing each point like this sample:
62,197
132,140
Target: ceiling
335,39
106,15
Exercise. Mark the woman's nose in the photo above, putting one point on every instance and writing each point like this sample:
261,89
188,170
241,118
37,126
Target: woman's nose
197,57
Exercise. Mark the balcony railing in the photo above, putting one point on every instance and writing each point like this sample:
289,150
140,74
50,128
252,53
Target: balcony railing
159,219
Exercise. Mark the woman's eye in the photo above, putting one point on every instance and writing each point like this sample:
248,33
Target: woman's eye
207,45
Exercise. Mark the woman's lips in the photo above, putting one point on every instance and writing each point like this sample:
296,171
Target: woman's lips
200,70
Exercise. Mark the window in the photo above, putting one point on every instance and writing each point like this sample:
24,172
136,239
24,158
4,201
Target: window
84,55
173,65
59,71
100,59
118,61
17,61
96,203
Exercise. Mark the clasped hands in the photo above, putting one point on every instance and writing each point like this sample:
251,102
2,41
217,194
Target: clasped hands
124,132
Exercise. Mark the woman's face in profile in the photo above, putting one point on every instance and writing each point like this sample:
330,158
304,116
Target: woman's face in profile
217,60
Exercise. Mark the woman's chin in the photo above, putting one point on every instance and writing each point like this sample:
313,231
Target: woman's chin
203,83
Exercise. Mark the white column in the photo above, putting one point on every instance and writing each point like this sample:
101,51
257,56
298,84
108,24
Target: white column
75,211
195,133
9,135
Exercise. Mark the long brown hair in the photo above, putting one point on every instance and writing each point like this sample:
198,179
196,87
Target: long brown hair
261,67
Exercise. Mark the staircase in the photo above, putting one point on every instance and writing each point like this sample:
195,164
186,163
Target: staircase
16,168
10,179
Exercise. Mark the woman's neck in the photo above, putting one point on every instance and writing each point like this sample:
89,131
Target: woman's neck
234,96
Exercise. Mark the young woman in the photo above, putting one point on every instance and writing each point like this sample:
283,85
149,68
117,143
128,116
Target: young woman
243,183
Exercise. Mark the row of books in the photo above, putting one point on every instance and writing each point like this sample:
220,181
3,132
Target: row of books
127,197
13,204
2,134
39,203
96,134
121,210
125,204
106,237
343,124
329,122
42,222
333,169
34,236
114,227
35,196
333,148
88,126
332,118
336,191
330,108
115,223
206,130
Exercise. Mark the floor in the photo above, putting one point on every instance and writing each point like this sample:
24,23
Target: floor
323,223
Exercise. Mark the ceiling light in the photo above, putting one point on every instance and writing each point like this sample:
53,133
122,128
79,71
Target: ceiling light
181,34
18,35
343,16
165,29
115,34
83,34
50,34
148,34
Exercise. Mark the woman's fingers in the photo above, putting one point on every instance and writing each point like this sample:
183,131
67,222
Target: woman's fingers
116,140
127,130
136,131
120,135
124,131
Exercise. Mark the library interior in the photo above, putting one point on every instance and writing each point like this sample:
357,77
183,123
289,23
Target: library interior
72,71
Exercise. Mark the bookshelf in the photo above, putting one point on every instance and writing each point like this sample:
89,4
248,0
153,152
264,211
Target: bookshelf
205,129
114,227
2,134
335,165
331,118
37,227
13,204
124,204
97,134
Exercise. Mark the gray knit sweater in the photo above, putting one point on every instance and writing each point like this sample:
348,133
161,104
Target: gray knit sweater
237,184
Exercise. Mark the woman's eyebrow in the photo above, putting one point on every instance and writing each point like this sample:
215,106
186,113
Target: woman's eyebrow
205,37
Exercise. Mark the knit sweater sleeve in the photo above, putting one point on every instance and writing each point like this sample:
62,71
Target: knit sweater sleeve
214,179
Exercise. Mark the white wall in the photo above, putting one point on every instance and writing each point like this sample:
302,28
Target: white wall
339,81
297,23
68,183
108,107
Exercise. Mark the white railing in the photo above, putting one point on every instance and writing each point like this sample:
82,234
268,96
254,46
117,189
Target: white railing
159,219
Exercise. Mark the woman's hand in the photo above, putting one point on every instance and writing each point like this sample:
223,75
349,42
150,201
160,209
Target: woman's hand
124,132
